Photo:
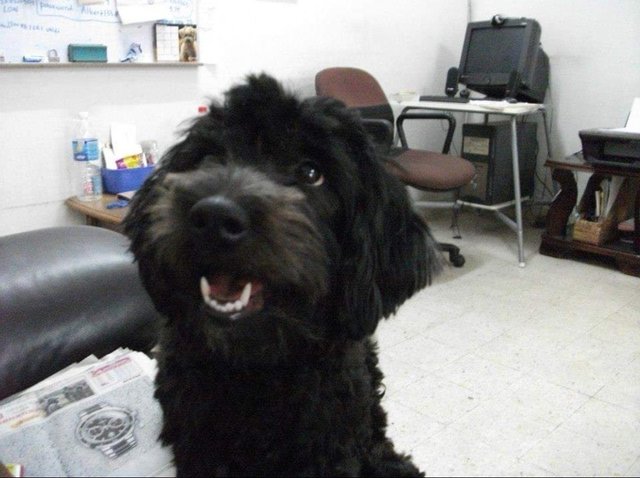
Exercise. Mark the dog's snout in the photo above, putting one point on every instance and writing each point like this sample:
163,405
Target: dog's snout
220,218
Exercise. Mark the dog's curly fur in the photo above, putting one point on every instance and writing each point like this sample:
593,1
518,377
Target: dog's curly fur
287,195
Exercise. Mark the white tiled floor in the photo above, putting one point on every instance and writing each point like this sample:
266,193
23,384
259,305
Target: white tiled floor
497,370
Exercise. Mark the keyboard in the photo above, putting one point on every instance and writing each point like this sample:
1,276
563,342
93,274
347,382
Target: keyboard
445,99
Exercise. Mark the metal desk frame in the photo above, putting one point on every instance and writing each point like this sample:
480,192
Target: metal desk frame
513,111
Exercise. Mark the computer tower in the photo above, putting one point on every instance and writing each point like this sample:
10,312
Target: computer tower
488,147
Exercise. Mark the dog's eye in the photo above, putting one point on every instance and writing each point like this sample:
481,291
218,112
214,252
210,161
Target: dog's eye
309,173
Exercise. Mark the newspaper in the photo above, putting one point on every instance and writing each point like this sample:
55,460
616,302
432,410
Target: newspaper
95,418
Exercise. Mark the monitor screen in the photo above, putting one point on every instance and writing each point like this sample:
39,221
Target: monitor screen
492,51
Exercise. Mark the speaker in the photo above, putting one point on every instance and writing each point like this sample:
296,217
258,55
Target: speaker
488,147
451,86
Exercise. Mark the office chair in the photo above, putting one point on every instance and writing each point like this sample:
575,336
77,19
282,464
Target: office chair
423,170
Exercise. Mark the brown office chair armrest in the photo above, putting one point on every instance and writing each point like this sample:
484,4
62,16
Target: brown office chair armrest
381,132
407,113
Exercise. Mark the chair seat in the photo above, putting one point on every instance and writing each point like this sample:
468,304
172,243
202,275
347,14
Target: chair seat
429,170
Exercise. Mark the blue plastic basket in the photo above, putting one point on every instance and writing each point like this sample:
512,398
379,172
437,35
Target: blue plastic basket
117,181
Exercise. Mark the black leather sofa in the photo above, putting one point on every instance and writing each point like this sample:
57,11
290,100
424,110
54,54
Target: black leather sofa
66,293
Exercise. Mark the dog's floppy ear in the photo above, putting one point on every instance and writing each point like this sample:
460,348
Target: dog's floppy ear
388,251
408,255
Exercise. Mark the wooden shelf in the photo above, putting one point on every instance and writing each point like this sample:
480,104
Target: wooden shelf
617,252
46,65
557,242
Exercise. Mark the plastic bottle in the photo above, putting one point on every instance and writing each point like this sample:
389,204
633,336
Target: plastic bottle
149,152
86,156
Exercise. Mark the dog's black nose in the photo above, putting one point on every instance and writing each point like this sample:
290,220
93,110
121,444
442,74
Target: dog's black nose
220,218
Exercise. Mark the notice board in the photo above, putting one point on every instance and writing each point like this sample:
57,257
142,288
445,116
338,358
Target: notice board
33,28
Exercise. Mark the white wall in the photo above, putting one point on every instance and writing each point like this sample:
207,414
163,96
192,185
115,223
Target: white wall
407,45
37,108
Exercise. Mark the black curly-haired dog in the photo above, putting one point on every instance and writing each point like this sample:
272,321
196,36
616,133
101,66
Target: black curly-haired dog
273,241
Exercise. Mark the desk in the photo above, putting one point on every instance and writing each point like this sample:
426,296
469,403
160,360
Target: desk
96,212
556,242
513,111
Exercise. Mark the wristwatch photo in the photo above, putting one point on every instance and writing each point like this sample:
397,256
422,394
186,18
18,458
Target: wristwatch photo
107,428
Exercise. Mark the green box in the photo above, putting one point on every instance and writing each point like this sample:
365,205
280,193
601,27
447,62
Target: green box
87,53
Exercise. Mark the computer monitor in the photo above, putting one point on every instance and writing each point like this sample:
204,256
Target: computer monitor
502,58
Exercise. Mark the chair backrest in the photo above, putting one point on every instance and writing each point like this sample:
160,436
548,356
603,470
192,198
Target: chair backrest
357,89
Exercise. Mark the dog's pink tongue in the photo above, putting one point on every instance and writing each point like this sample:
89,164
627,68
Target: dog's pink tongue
223,288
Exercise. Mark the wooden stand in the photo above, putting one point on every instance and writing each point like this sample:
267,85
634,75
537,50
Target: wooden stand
556,241
96,212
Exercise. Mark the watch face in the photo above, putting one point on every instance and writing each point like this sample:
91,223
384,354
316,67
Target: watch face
105,426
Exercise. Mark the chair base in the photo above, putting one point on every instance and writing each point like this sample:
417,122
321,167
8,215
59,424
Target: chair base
456,259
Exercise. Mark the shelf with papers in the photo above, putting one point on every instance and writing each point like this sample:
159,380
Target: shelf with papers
562,240
22,66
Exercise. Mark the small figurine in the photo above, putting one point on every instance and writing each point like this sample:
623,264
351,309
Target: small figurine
52,56
188,45
132,55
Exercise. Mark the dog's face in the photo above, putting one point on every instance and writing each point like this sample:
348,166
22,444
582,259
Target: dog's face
272,226
187,33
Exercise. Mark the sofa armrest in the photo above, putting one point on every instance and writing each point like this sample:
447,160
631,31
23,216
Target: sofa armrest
66,293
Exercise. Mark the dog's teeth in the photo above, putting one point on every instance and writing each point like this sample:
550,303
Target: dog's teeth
238,305
246,294
214,305
227,307
205,289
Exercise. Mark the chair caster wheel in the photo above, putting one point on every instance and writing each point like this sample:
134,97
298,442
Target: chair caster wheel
457,260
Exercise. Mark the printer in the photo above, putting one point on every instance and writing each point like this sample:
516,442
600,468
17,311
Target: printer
617,147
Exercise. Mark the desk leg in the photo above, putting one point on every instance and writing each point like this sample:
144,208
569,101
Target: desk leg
546,133
516,189
636,224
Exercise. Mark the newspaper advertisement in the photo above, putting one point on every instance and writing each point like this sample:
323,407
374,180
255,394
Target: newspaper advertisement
94,418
